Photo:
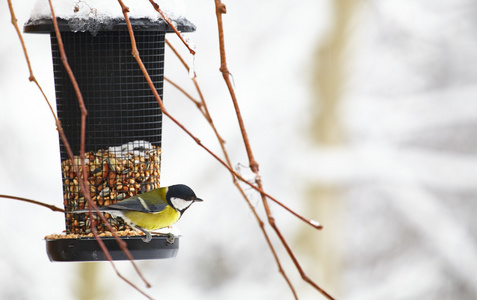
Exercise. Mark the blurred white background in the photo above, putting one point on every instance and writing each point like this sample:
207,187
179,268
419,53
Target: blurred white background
362,116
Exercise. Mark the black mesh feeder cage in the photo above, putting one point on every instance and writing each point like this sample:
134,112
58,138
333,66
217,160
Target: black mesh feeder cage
123,128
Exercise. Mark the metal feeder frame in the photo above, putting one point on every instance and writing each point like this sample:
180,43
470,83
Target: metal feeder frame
122,112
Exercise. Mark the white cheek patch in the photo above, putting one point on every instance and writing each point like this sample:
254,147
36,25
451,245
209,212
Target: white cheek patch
180,204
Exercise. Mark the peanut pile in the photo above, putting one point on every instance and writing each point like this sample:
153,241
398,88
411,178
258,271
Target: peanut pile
113,174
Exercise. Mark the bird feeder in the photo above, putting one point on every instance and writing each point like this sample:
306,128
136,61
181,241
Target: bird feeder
123,127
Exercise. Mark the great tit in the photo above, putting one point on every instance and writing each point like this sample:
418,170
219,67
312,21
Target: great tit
152,210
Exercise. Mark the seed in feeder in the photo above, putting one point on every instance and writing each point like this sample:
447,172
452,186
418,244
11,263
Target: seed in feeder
105,192
98,180
112,178
96,171
105,170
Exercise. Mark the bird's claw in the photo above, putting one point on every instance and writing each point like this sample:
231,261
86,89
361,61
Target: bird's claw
170,238
147,238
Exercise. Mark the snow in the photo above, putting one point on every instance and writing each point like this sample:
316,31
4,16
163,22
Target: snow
95,15
103,10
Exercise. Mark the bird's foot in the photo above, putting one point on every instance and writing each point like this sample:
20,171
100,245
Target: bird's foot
148,237
170,238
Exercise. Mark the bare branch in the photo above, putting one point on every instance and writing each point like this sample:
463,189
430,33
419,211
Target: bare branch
50,206
221,9
166,18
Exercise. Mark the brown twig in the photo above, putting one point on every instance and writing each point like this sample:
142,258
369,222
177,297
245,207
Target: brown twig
31,77
220,10
197,103
110,259
166,18
50,206
84,176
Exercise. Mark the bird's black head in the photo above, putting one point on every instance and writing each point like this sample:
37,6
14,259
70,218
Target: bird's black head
180,197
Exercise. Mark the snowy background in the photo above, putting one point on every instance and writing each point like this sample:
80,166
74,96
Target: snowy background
397,189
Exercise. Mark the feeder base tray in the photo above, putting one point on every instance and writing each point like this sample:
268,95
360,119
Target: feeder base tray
88,249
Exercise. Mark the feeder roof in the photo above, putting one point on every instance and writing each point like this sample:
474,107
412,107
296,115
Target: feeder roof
105,15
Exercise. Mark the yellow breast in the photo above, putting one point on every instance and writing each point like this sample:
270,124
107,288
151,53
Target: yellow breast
153,221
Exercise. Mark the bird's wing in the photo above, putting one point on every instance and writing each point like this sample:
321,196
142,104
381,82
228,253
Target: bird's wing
137,203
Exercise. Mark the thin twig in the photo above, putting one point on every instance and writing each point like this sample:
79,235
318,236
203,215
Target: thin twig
110,259
197,103
220,10
31,77
50,206
84,176
166,18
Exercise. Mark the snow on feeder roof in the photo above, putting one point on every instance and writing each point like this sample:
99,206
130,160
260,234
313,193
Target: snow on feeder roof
98,15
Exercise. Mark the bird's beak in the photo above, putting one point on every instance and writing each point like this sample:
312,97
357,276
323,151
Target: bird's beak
198,199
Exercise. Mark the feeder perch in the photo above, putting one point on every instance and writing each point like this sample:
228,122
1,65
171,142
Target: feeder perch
123,127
